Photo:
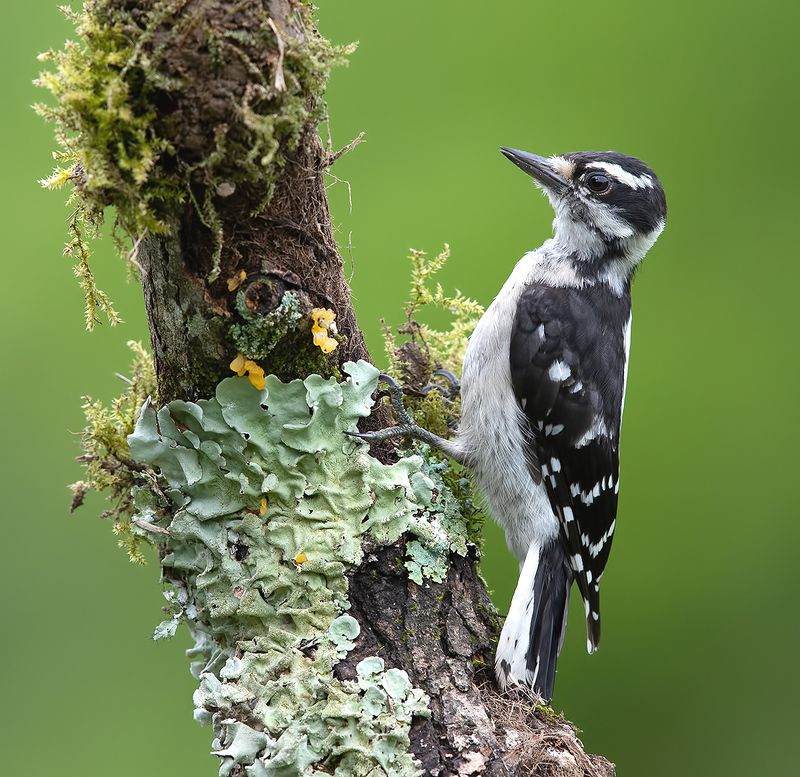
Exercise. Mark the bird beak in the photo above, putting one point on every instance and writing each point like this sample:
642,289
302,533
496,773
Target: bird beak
537,167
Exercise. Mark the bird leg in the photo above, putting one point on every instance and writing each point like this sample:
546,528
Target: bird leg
407,427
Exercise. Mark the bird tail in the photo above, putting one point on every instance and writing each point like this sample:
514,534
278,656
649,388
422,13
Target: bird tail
533,632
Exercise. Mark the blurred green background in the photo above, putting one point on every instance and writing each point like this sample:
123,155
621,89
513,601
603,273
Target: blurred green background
698,673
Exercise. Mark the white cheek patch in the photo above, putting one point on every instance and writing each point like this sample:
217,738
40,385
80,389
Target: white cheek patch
563,166
607,220
619,173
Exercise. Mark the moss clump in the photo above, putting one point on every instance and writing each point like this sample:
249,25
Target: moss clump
295,354
166,101
425,348
106,457
435,413
413,361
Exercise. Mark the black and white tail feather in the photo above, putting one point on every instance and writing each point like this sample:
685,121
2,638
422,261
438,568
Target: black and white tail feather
534,629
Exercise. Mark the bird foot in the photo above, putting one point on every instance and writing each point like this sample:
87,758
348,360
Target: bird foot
407,426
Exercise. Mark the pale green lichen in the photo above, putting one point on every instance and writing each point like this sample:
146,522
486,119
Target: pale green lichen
269,630
342,631
258,335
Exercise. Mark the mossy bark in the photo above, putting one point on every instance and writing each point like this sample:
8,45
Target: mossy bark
289,247
442,634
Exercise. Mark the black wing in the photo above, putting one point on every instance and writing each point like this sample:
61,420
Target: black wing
567,368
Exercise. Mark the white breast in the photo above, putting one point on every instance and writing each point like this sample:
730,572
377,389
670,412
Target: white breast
491,419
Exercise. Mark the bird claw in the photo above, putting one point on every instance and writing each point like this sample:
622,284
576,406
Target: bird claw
451,391
406,428
395,391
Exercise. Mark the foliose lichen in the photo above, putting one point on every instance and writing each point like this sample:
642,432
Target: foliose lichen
261,504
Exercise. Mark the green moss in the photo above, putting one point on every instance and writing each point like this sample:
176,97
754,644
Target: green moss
125,114
432,413
295,354
260,506
106,457
413,361
431,348
546,712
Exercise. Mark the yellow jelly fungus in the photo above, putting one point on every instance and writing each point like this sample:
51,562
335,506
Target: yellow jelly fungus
324,341
300,559
237,280
255,374
323,319
263,509
237,365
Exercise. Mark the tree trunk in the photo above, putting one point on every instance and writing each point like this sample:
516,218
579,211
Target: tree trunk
202,310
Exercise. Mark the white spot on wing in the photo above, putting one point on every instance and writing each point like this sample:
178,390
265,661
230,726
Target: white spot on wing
597,429
594,550
558,371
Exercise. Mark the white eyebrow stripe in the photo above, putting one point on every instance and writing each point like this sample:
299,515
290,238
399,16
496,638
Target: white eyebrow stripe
623,176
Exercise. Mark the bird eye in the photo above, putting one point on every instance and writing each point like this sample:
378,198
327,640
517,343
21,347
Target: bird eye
598,183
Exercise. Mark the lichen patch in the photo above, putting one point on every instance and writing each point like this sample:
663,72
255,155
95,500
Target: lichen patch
270,621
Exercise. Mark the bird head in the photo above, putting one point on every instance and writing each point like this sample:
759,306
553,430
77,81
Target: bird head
610,208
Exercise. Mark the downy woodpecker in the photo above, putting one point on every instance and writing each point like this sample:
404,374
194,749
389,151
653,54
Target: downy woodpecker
543,389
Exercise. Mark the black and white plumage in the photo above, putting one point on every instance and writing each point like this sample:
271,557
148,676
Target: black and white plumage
543,389
567,372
